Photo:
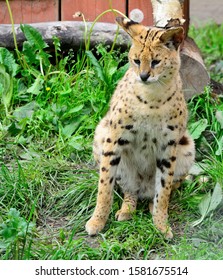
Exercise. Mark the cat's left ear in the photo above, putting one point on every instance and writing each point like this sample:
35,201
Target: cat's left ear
131,27
173,37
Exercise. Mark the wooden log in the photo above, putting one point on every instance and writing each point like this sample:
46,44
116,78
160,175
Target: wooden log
193,71
70,33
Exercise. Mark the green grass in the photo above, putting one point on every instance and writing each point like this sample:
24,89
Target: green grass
210,41
48,180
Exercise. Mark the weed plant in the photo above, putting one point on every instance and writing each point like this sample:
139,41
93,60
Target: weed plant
49,111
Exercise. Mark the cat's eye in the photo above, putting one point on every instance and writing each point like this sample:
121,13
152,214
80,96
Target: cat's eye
155,62
137,61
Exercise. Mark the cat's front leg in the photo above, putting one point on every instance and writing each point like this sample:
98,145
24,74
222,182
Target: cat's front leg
164,179
108,167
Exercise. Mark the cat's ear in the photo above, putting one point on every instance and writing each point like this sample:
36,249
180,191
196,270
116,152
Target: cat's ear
131,27
172,37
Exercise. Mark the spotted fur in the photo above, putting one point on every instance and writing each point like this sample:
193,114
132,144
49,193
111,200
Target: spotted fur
142,142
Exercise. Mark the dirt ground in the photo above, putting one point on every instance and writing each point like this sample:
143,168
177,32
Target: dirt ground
202,11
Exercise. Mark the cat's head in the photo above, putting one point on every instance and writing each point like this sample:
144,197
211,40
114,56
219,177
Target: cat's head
154,54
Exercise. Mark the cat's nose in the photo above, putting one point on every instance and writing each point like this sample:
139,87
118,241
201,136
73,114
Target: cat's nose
144,76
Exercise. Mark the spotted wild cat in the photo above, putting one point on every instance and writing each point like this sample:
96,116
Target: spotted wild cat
142,142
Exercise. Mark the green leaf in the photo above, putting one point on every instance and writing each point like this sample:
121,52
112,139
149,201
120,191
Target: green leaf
204,204
29,155
216,198
98,68
76,142
56,42
111,68
3,245
29,52
15,227
219,117
121,71
37,86
220,147
69,129
197,128
36,43
6,87
74,110
33,36
209,203
14,129
25,111
7,59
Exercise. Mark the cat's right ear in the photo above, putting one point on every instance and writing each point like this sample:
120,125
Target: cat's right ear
131,27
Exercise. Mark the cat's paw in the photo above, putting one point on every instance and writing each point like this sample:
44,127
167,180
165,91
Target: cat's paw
123,216
94,226
163,227
165,230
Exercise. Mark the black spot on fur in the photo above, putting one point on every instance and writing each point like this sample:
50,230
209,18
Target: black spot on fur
107,154
162,182
171,143
111,180
184,141
108,140
173,158
129,126
163,163
115,161
139,98
154,140
169,98
159,165
103,169
166,163
122,142
171,127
